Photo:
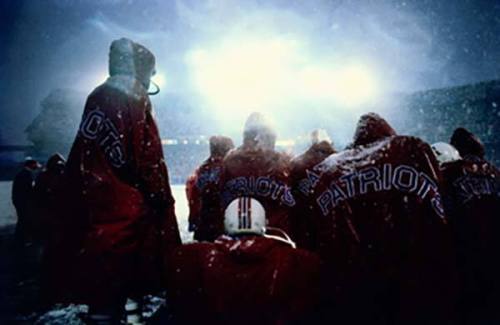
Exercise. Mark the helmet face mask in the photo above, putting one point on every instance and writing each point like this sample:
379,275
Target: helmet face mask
245,216
156,91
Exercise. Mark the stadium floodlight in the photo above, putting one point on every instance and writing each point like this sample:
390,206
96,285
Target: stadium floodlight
243,75
276,75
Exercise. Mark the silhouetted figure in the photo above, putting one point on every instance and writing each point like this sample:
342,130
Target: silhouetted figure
382,232
472,196
47,185
203,192
119,224
23,200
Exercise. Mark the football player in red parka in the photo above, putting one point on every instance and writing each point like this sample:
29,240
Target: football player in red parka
251,275
381,231
119,221
256,169
472,196
203,192
303,179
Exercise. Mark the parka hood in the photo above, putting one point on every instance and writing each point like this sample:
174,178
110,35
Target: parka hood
56,162
372,127
259,132
220,145
131,59
467,143
323,147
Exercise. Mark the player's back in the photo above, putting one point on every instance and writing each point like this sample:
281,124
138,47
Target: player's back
382,233
262,174
248,280
472,201
207,183
303,180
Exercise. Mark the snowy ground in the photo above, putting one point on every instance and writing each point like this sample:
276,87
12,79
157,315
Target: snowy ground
19,272
8,214
182,211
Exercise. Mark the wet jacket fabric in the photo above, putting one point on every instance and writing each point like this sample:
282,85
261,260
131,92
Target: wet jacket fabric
205,210
471,188
263,174
22,188
119,216
381,231
302,179
193,202
247,280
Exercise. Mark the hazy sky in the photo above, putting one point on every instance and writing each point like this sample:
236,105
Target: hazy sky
408,45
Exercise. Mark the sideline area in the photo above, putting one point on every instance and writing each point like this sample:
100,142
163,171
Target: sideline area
19,280
8,214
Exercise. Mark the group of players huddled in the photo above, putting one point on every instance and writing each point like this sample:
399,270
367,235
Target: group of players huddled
387,231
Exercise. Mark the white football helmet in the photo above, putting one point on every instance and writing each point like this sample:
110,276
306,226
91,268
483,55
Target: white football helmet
245,215
445,152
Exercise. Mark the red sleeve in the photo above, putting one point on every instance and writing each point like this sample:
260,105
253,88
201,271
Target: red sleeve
185,289
193,197
304,283
281,219
434,254
429,165
146,154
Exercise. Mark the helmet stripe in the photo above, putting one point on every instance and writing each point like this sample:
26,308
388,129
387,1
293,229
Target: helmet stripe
239,214
245,212
249,213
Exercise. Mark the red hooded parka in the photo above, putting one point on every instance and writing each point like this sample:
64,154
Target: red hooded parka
118,223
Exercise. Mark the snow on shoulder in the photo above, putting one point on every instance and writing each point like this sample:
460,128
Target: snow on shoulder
358,155
127,85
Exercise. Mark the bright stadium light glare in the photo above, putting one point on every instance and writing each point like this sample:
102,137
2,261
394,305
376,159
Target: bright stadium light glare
92,80
354,85
277,76
244,75
349,86
159,79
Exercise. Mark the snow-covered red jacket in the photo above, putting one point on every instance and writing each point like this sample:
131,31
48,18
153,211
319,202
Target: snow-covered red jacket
246,280
381,229
205,211
263,174
117,194
302,179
